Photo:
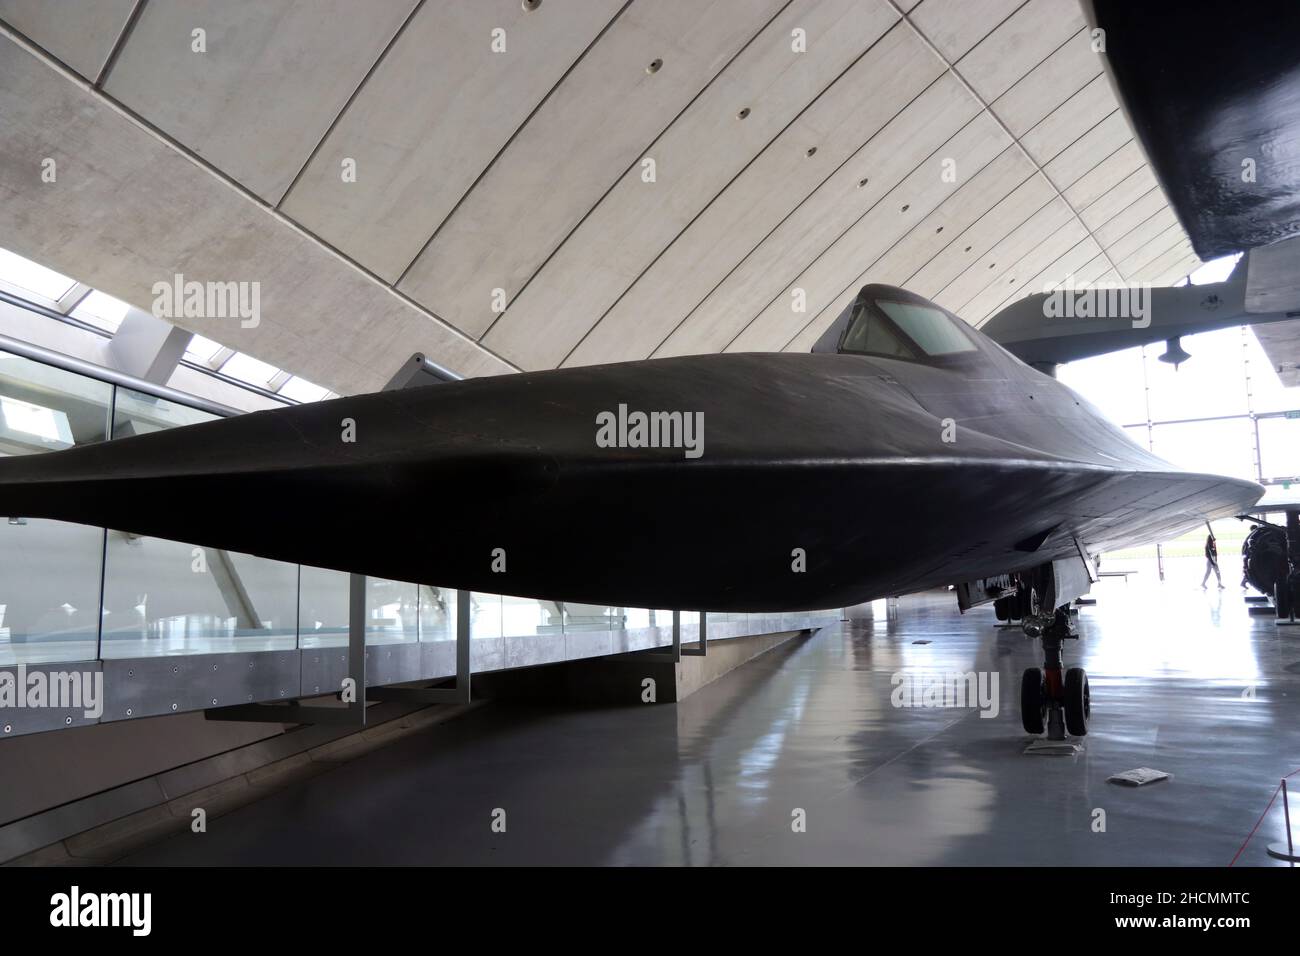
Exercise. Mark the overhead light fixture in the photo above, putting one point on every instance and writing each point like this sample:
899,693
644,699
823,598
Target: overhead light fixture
1174,355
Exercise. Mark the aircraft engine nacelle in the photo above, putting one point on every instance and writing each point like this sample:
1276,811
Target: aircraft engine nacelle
1264,557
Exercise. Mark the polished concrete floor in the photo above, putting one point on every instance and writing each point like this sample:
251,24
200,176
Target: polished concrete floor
1183,680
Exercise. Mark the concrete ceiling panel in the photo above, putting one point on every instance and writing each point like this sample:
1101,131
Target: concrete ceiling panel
1020,43
602,119
1157,246
1004,255
270,79
1119,197
1182,269
141,212
1083,155
908,141
83,41
431,117
1137,237
1095,183
521,170
954,26
1041,255
896,70
1069,69
1132,215
1070,121
885,224
1064,267
903,259
981,236
703,150
1178,259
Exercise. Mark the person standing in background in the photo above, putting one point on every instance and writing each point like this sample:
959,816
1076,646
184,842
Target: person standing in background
1211,561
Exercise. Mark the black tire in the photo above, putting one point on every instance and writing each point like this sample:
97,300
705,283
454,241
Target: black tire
1025,599
1282,599
1078,702
1002,609
1033,701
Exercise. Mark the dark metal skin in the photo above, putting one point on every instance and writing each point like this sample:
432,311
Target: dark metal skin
839,455
1207,85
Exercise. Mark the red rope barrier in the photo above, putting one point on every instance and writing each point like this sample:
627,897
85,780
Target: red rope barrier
1276,791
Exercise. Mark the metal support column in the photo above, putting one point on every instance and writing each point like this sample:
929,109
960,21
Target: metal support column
703,649
459,694
351,715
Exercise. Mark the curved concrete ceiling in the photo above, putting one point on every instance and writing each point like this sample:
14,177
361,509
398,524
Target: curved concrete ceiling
614,180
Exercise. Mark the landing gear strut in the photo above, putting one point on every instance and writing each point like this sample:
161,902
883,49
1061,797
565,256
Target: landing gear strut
1052,698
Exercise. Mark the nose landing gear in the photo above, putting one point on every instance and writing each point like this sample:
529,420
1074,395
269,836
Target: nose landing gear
1052,698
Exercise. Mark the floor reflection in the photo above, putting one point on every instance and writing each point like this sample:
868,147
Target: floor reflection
1184,681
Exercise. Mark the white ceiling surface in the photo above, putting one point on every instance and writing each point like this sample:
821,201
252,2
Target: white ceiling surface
779,175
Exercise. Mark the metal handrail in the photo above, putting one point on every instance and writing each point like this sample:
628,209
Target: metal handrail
70,363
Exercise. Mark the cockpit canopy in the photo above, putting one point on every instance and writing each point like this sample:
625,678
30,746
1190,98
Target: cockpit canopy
889,322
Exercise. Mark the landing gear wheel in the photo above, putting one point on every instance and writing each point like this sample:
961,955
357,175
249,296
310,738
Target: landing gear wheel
1033,701
1002,608
1078,702
1282,598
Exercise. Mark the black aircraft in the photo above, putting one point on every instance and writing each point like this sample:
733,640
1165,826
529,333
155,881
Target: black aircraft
907,451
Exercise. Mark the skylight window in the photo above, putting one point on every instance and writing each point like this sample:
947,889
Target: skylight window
202,351
1216,270
47,424
102,311
301,390
247,369
34,278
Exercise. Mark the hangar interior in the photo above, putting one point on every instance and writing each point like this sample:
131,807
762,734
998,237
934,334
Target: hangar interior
504,188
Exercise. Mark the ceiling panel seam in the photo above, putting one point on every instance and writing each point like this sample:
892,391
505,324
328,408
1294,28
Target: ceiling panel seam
1134,229
1093,168
128,114
955,72
125,34
753,159
1019,224
1114,186
1179,240
987,212
825,249
639,158
509,142
397,34
948,245
1061,152
1020,293
848,159
1074,92
1127,206
1140,249
984,36
999,274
